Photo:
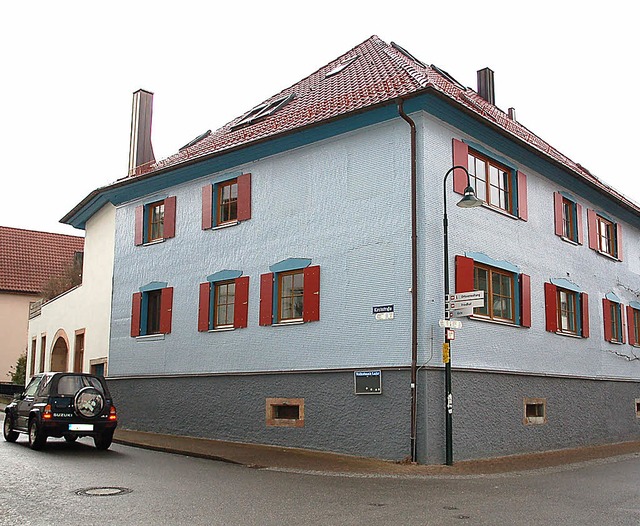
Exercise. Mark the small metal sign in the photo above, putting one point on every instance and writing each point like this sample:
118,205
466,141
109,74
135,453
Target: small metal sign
383,312
367,382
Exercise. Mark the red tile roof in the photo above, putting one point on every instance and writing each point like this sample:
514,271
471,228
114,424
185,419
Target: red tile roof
380,74
29,258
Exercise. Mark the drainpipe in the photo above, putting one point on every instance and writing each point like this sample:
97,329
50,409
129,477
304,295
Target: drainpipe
414,280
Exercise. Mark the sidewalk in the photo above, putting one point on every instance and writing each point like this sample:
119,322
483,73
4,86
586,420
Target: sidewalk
281,458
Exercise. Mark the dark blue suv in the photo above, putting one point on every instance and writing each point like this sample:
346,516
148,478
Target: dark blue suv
69,405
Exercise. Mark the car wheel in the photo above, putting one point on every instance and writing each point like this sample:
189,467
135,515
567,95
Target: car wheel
37,438
103,441
71,438
7,430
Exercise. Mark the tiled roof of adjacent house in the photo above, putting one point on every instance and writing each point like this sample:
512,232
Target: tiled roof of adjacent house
29,258
379,74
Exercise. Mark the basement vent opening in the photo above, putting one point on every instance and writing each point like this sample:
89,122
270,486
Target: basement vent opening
637,407
535,411
340,67
285,412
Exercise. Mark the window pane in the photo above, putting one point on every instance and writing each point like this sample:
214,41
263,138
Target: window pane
228,201
153,311
224,302
481,170
480,283
494,178
291,295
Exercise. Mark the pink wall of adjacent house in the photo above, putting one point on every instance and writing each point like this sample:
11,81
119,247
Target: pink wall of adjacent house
14,320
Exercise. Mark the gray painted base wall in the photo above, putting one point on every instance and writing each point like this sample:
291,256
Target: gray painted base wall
487,419
233,408
489,411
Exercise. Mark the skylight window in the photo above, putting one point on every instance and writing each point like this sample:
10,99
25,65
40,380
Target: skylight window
448,76
264,110
340,67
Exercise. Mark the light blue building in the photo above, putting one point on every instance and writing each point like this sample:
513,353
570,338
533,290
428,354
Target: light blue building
281,280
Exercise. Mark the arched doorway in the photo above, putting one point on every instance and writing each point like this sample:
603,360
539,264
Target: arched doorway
60,355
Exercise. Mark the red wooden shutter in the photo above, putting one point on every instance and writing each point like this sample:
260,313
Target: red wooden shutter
139,232
631,325
207,207
311,294
606,311
169,228
136,304
579,223
623,325
523,208
593,229
241,302
557,207
266,299
584,297
244,197
460,158
525,299
464,274
619,241
203,307
166,306
551,307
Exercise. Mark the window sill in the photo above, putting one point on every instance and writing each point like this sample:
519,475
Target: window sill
497,322
154,242
225,225
499,210
286,323
569,335
150,338
607,255
222,329
570,241
614,342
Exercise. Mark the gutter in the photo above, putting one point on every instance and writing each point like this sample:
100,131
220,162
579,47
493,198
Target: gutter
414,279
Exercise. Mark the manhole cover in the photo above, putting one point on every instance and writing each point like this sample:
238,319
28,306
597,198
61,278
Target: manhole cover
109,491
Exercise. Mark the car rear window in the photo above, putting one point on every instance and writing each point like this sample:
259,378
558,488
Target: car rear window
70,385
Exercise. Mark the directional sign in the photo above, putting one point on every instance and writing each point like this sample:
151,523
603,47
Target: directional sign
473,295
459,313
465,303
450,324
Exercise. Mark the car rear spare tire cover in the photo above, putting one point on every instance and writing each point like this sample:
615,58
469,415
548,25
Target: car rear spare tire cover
89,402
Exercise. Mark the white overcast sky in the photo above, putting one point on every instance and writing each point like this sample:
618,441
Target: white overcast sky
68,70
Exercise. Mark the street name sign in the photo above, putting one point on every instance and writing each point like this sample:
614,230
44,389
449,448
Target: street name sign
461,304
472,295
459,313
450,324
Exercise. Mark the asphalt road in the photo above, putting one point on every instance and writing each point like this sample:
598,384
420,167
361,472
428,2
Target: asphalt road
41,488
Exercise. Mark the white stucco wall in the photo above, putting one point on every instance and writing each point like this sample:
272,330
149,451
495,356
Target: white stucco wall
88,307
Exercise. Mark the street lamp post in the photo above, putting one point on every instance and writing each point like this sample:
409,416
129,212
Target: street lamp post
469,200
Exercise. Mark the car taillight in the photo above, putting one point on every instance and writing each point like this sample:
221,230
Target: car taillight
47,414
112,413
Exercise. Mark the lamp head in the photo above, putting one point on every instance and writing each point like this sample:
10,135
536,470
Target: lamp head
469,200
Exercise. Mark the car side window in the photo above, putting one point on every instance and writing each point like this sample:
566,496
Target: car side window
33,386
